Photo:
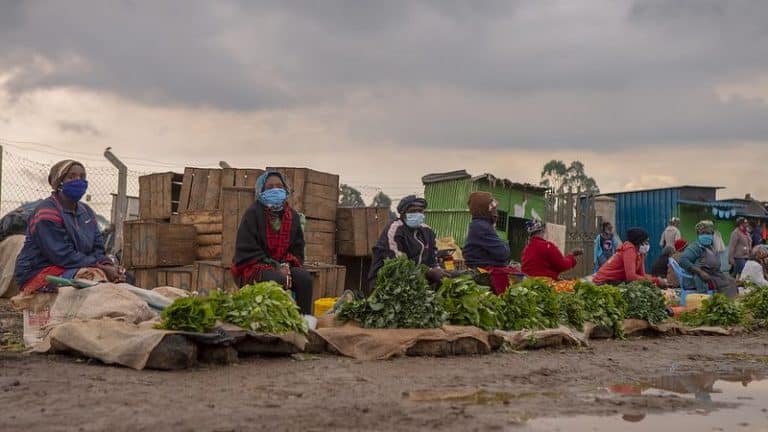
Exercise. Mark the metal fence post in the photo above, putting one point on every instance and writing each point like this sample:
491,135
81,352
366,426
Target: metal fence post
122,197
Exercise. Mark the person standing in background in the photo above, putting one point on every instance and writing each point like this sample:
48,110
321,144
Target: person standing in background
606,244
757,233
671,233
739,246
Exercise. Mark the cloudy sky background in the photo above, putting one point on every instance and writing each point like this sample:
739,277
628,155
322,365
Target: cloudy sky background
646,93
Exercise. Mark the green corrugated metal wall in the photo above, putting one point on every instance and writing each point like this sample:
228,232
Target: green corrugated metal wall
448,214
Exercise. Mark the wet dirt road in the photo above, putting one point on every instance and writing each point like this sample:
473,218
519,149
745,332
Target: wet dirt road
503,391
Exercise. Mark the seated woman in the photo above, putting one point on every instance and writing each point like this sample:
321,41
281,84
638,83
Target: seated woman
756,269
62,236
628,265
408,236
542,258
701,260
270,242
484,249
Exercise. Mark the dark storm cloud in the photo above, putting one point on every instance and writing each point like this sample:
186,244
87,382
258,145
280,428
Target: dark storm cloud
79,128
450,73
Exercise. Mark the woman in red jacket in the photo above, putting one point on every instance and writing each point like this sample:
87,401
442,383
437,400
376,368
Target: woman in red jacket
542,258
628,264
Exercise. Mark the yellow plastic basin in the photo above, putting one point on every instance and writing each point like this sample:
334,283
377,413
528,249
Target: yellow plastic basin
322,305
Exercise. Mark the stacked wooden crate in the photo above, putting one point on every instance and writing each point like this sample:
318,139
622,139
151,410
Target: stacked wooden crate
359,228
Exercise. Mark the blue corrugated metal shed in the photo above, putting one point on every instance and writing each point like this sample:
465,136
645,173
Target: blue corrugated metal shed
652,209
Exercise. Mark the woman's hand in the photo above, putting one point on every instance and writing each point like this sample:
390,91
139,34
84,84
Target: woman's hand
704,275
577,252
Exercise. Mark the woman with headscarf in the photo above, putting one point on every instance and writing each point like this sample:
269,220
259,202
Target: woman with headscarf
628,265
700,259
270,242
408,236
541,257
484,249
63,237
606,244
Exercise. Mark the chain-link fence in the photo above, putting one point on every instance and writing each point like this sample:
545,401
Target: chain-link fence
25,180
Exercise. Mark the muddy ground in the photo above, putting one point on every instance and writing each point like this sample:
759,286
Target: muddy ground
501,391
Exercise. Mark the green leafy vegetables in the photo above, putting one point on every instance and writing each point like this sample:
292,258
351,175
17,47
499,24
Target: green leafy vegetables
192,314
531,304
401,299
756,302
468,303
644,301
717,310
604,305
263,307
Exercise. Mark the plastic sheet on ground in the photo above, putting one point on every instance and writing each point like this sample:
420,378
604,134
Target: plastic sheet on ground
9,250
378,344
534,339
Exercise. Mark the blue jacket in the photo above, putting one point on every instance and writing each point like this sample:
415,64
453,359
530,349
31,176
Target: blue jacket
616,242
484,247
59,237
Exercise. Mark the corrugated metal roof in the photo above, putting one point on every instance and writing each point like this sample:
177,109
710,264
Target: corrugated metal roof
490,178
664,188
719,203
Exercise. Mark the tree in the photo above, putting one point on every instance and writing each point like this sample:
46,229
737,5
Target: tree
562,179
383,200
350,197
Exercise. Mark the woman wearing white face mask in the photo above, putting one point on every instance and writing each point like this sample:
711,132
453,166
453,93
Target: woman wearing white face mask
628,264
408,236
700,259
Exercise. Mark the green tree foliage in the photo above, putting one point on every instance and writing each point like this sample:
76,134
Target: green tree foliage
561,178
383,200
350,197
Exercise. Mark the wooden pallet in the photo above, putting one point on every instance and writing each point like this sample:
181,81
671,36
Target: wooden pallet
150,244
359,229
313,193
177,277
328,280
202,187
207,276
209,227
235,201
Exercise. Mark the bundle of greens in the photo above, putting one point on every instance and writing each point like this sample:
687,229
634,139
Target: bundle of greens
548,306
402,299
468,303
519,309
717,310
756,302
603,306
572,313
192,314
263,307
644,301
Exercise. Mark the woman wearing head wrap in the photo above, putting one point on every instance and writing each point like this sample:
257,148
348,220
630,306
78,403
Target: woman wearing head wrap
606,244
408,236
628,264
542,258
62,237
270,242
484,249
700,259
756,269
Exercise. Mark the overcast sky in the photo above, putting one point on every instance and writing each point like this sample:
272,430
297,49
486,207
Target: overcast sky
646,93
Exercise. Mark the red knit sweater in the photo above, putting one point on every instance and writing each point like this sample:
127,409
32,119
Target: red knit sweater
542,258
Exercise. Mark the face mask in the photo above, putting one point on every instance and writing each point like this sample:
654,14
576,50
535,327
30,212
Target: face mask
706,239
273,198
644,249
414,220
74,189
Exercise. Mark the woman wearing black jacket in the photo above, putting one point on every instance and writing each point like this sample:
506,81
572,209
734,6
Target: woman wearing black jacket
270,242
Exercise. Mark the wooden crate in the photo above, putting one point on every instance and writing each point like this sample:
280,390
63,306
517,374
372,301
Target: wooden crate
359,229
320,240
357,272
208,276
235,201
313,193
149,244
159,195
328,280
177,277
202,187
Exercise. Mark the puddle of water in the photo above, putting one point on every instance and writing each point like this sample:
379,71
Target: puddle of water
744,389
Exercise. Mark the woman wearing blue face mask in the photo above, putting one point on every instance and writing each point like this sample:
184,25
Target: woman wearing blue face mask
701,260
270,242
408,236
62,237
